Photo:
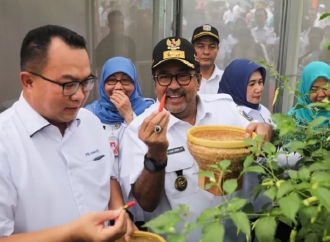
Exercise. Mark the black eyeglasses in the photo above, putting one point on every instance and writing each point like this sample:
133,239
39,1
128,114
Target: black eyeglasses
166,79
124,82
70,88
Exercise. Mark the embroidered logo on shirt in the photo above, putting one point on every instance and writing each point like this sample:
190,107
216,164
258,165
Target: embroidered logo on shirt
92,153
245,115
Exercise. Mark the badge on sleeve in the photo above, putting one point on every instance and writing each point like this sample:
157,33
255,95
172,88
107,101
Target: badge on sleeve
245,115
114,145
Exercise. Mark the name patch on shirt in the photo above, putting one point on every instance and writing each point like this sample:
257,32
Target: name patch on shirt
175,150
245,115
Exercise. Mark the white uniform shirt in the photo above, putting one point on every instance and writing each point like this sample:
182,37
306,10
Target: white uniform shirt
47,179
211,85
216,109
264,35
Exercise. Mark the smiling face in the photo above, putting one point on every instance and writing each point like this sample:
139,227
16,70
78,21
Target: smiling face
180,100
254,88
126,85
319,93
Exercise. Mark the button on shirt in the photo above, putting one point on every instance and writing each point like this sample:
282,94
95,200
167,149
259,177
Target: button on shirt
211,85
212,109
50,179
264,35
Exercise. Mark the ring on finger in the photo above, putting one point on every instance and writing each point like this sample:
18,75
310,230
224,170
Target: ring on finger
157,129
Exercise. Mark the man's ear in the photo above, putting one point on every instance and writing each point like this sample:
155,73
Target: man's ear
26,80
199,79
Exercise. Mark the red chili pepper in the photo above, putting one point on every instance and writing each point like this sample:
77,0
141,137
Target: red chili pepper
162,103
129,204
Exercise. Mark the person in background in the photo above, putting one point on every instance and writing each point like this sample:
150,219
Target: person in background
115,43
205,40
261,33
245,87
312,51
154,146
315,76
120,102
247,47
55,160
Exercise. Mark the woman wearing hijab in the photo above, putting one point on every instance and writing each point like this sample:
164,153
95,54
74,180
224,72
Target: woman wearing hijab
244,81
120,102
314,76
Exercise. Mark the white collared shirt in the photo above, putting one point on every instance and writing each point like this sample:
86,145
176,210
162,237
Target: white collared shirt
47,179
264,35
262,114
211,86
212,109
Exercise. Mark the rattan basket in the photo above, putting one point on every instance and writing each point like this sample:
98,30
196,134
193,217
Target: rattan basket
141,236
211,144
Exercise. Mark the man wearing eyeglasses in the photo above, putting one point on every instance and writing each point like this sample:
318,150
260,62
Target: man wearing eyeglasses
156,166
55,161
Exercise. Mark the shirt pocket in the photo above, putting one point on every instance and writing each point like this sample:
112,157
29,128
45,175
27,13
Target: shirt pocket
185,165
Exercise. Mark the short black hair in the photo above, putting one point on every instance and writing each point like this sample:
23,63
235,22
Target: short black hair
114,13
35,45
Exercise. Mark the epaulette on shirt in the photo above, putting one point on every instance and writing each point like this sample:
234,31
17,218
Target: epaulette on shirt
214,97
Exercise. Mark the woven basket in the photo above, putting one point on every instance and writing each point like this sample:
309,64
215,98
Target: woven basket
141,236
211,144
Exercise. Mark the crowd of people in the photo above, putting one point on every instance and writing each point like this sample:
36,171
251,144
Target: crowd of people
68,169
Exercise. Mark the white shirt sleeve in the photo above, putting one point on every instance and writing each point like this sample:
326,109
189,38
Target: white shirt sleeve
8,197
132,151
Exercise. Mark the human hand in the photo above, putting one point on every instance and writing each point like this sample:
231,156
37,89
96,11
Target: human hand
123,104
156,141
263,129
91,226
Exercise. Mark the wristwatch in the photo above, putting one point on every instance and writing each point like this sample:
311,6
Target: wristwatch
152,166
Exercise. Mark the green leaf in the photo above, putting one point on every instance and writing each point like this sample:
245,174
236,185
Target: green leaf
311,237
323,196
319,166
208,174
295,146
175,238
271,193
248,161
211,231
242,222
209,185
293,174
248,208
269,148
303,186
320,176
251,142
207,214
284,189
229,186
265,229
165,223
224,164
304,174
316,122
290,206
266,206
257,169
236,204
285,220
325,15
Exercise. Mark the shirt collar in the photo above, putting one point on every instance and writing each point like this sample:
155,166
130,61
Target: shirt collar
32,120
216,72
